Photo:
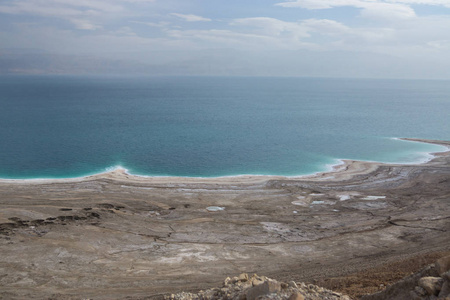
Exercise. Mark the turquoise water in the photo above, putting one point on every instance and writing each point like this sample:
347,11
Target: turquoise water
57,127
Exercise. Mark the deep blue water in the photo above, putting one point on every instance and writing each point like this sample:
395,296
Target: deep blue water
199,126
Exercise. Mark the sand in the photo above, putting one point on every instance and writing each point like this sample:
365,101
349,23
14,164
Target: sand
119,236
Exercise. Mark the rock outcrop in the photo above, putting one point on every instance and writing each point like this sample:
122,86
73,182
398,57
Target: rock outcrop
244,287
431,283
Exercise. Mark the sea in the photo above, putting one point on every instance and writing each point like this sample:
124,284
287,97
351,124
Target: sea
72,126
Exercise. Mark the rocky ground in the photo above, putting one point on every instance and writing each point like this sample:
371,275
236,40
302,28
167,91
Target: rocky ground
244,287
117,236
432,282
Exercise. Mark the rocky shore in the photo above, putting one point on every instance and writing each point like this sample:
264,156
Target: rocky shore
119,236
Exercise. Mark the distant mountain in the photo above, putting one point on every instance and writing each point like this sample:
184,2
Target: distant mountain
222,62
22,62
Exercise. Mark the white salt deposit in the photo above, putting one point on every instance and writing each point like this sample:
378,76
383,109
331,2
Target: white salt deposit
300,203
344,197
374,197
215,208
317,202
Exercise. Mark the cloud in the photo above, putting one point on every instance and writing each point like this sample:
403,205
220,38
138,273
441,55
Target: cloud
140,29
318,4
84,24
271,27
370,8
324,4
262,34
307,33
59,8
191,18
139,1
387,11
444,3
83,14
325,26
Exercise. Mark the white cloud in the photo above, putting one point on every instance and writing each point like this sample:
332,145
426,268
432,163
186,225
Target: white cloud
318,4
58,7
139,1
191,18
161,24
84,24
387,11
272,27
445,3
116,28
264,33
125,31
83,14
325,26
238,39
370,8
304,33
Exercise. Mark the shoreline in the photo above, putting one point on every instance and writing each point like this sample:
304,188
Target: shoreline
331,170
119,236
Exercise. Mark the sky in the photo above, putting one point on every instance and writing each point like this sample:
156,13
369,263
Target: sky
313,38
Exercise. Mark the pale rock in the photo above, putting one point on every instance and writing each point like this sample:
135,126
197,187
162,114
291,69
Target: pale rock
431,284
267,287
226,281
243,277
292,284
256,281
296,296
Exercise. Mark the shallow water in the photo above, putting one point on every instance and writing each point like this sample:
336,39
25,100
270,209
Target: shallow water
196,126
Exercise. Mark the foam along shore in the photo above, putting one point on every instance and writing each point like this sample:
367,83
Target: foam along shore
116,235
341,170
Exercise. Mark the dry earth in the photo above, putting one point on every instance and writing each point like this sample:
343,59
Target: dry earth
118,236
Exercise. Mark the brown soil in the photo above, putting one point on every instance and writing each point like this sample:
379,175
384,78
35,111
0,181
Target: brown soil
377,279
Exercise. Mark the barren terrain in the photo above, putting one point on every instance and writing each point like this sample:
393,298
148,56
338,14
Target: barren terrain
119,236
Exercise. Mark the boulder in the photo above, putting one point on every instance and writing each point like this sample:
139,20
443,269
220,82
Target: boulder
445,290
443,265
431,284
267,287
446,276
420,291
413,296
243,277
296,296
256,281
